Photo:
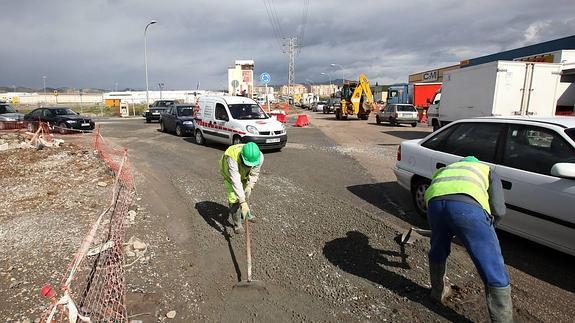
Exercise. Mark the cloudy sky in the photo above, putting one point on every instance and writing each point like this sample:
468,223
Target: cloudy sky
100,43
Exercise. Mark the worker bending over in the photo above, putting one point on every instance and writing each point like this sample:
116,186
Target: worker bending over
240,166
466,199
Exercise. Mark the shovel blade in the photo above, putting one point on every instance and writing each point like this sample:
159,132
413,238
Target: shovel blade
255,285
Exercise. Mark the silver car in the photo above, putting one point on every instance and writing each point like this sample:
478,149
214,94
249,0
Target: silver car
8,113
397,114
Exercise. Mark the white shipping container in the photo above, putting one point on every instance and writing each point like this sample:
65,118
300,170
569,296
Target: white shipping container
499,88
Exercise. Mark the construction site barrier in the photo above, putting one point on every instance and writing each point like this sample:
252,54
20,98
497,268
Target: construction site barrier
301,121
93,288
280,117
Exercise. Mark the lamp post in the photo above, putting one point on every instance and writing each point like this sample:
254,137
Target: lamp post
161,86
146,58
44,83
342,72
329,76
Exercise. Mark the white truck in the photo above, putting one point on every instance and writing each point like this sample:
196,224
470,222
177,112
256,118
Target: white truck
500,88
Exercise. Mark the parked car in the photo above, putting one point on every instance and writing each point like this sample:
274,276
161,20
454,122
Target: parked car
331,105
8,113
61,119
535,158
318,106
397,114
178,118
155,109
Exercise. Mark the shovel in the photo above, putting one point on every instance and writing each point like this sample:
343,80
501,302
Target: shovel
249,282
408,238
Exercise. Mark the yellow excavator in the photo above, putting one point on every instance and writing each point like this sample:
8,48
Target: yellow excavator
356,99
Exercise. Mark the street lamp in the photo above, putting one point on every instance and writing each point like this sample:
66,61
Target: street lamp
342,72
161,86
44,82
146,58
329,76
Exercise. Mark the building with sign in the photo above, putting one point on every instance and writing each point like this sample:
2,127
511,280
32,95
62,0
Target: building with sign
241,78
549,51
431,76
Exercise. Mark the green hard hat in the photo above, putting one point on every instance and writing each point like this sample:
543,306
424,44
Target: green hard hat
251,154
470,159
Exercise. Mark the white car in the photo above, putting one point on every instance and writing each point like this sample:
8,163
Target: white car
535,158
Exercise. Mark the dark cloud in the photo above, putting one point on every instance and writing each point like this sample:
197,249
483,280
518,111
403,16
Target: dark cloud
100,43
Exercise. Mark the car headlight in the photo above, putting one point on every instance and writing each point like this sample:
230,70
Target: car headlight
7,119
71,121
188,123
253,130
283,128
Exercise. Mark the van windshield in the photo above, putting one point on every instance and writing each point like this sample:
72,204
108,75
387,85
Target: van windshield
247,111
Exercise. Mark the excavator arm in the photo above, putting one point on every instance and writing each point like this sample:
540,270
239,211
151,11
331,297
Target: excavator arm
362,89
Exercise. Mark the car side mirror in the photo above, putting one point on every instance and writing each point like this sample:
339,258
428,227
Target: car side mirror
563,170
149,105
428,100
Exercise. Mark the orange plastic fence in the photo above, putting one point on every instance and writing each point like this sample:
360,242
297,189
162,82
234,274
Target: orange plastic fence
94,287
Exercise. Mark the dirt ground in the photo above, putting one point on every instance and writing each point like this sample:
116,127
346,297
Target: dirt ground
50,197
328,212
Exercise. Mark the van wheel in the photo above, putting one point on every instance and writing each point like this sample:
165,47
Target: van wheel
414,124
418,189
200,140
236,140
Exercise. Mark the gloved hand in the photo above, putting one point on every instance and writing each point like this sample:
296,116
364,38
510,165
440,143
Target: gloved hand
248,191
245,210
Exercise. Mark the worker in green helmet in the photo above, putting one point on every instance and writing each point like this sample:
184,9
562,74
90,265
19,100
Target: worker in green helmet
240,166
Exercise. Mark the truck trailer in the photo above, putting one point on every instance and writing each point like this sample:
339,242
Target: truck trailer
500,88
418,94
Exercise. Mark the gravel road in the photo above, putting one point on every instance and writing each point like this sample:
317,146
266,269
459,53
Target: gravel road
328,212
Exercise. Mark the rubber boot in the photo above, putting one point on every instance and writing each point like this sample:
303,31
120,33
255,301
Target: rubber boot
499,304
439,289
236,218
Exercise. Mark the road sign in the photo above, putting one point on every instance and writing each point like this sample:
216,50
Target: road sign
55,92
265,78
235,83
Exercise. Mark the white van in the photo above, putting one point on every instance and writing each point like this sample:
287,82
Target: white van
234,119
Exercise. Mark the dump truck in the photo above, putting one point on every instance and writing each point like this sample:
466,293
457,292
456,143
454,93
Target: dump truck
356,99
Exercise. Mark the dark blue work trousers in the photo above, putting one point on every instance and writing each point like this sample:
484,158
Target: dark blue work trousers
474,227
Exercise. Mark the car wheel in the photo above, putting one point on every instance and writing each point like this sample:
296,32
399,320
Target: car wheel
337,115
148,120
162,127
62,128
179,131
414,124
236,140
377,119
391,122
418,189
200,140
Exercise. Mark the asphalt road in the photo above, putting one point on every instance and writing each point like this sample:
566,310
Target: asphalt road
329,210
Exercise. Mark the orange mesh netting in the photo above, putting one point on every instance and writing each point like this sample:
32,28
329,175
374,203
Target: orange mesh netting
93,288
